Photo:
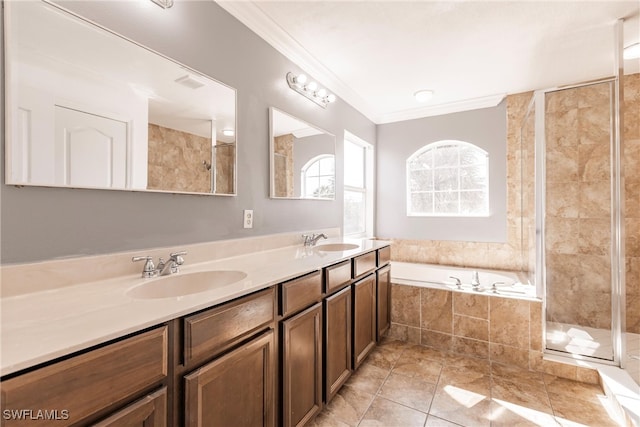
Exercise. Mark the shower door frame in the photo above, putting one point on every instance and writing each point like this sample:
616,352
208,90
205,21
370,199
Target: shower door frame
617,220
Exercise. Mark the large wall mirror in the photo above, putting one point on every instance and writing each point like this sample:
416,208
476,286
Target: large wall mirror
302,159
87,108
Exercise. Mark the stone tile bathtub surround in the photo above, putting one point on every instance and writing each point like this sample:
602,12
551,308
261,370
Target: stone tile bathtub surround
485,327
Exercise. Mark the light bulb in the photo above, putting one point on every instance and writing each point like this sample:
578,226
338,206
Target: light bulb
228,132
312,86
302,79
322,93
331,98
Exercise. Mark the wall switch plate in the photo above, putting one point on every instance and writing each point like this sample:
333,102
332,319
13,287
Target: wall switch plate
247,218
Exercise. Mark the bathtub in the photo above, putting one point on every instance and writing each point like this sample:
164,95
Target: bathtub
439,277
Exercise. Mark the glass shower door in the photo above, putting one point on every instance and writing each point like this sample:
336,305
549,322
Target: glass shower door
577,219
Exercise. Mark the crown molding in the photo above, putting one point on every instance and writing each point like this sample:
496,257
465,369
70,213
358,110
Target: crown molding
440,109
253,17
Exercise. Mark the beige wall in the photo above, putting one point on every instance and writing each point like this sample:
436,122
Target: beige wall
175,161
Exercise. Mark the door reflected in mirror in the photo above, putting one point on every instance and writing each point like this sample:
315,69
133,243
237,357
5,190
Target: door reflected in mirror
87,108
302,159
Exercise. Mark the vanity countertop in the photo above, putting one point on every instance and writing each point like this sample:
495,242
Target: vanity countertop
41,326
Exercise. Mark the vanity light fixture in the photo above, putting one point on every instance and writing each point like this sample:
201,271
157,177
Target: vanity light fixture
165,4
228,132
631,51
310,90
423,95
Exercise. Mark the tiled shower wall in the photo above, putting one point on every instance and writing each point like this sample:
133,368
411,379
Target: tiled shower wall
283,147
175,161
631,138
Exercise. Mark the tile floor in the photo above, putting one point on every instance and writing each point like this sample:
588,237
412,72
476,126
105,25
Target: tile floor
407,385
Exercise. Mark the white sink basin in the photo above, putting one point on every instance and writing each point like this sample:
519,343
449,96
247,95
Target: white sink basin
336,247
182,284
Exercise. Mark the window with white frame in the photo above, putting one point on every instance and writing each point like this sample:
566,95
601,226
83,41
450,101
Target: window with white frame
448,178
358,187
318,177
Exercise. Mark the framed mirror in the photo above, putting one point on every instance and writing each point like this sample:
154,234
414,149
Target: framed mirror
302,159
87,108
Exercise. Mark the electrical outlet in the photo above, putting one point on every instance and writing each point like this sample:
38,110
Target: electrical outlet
247,218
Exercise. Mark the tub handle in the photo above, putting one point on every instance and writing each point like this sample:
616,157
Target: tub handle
494,287
458,282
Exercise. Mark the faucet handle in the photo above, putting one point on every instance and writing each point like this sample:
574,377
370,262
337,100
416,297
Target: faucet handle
149,269
458,282
177,257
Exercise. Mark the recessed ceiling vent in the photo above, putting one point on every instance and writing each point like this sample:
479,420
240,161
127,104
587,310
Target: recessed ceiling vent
190,82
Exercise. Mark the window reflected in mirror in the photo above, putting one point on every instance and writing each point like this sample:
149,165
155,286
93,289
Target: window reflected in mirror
302,159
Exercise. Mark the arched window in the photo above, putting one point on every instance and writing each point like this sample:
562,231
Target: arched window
317,177
448,178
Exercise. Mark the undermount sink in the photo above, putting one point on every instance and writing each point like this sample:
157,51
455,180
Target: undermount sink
336,247
182,284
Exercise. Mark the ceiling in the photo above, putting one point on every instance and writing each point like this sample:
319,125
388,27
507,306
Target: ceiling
376,54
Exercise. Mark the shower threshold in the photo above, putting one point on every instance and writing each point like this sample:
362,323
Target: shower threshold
593,342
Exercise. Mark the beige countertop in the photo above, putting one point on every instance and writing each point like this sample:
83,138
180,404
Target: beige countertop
40,326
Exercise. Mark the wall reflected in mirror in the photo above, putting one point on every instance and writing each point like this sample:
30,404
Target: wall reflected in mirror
302,159
87,108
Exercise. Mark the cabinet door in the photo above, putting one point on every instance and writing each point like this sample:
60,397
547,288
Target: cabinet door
236,389
150,411
302,366
364,318
337,341
384,301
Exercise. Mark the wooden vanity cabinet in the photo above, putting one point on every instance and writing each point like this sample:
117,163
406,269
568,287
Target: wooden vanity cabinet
236,389
91,386
150,411
383,290
364,318
301,366
337,342
229,363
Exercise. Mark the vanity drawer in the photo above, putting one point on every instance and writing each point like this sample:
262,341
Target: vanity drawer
91,382
337,276
215,330
299,293
364,263
384,256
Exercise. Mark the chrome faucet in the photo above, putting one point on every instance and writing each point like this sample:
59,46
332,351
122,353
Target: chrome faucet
475,280
164,268
171,265
312,239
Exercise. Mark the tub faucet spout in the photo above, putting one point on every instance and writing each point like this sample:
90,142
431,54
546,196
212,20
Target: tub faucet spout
458,282
475,280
